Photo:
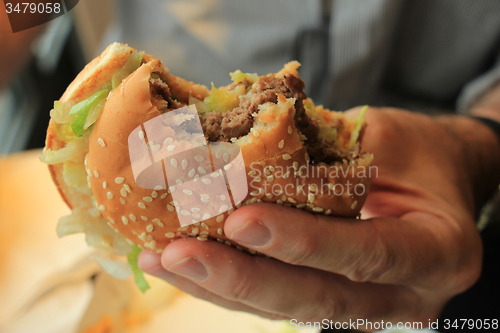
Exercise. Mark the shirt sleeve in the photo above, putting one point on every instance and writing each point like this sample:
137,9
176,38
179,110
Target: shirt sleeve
473,90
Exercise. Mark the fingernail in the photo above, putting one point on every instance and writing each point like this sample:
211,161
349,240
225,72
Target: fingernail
191,268
253,233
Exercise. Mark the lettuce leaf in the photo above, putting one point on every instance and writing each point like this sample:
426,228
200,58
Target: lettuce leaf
221,100
82,110
359,123
133,62
238,77
138,274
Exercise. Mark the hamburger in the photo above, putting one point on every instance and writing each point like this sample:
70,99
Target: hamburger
261,130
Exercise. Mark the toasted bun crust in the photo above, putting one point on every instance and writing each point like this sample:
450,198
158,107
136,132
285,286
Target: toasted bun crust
275,159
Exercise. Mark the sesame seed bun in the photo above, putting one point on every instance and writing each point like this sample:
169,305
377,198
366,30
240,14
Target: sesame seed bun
276,165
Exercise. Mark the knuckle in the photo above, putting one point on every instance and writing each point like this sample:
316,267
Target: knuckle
380,259
242,289
302,251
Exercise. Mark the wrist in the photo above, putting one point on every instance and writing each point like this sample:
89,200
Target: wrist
480,149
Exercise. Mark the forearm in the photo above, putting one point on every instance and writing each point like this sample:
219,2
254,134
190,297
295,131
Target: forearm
481,146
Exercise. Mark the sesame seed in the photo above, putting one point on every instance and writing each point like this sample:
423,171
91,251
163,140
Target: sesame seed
164,195
141,135
257,179
214,175
191,172
101,142
171,148
168,140
222,197
204,232
122,201
141,205
220,240
223,208
267,172
279,202
256,133
289,129
328,212
119,180
269,195
286,157
292,200
173,161
144,218
158,188
354,204
96,174
302,205
310,205
184,164
201,170
104,184
194,231
154,194
150,228
206,216
204,225
124,220
123,192
228,243
88,172
225,157
295,165
313,188
111,220
110,195
218,153
170,235
202,238
155,148
207,181
281,144
317,209
102,208
227,166
149,237
188,192
220,218
254,193
219,231
147,199
286,175
310,197
179,181
252,173
171,189
175,203
185,212
127,188
170,208
270,178
195,209
199,158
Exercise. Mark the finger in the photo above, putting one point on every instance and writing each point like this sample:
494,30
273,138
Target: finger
384,250
150,263
276,287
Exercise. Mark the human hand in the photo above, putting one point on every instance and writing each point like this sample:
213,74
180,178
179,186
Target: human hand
416,247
